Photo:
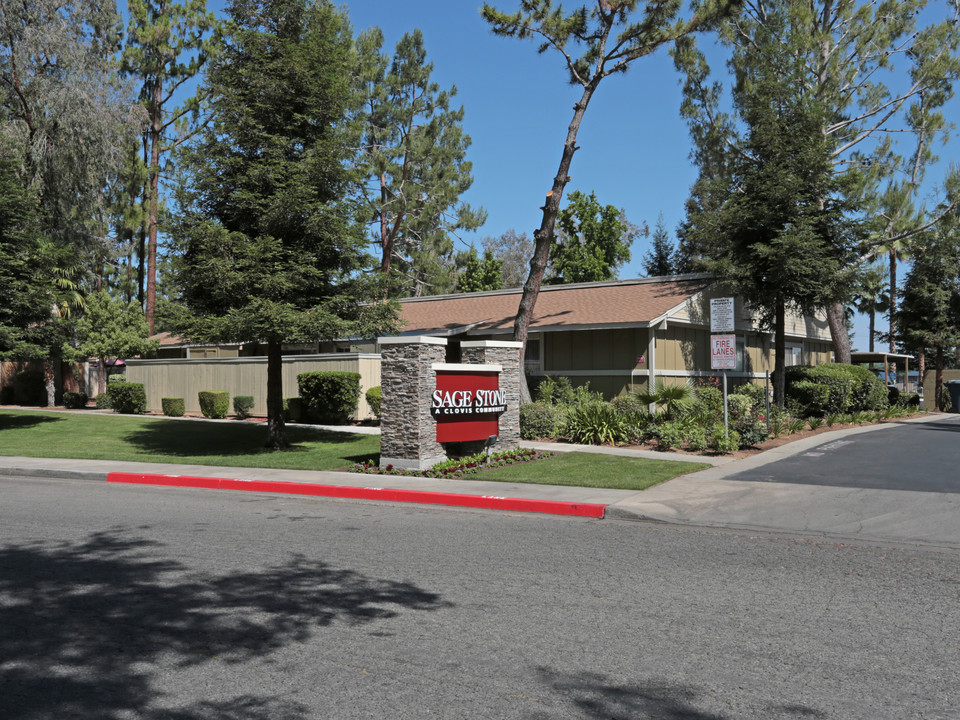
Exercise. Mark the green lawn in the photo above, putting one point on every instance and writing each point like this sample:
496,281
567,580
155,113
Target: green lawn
154,439
592,470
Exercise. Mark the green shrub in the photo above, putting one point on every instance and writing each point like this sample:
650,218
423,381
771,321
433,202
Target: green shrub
708,405
812,399
29,388
330,397
117,377
673,400
128,398
75,400
374,398
696,438
538,420
242,405
850,388
103,401
595,423
751,433
669,435
722,443
173,407
908,400
629,405
293,410
756,393
214,403
554,391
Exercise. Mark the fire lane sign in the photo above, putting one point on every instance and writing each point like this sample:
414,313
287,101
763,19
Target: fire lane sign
723,352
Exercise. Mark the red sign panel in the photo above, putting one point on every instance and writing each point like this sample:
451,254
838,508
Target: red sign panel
467,405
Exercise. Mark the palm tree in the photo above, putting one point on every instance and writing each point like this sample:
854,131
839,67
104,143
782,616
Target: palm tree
873,296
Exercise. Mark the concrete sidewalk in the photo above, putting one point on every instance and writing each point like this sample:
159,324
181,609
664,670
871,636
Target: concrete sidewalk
705,498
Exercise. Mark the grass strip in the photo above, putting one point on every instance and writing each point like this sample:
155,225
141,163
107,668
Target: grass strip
592,470
162,440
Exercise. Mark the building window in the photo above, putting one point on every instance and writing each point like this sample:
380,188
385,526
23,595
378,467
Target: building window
741,353
531,357
794,354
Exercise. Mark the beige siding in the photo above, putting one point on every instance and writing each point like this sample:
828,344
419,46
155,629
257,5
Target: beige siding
244,376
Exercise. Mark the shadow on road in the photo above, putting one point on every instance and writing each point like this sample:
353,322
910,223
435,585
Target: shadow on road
596,697
84,626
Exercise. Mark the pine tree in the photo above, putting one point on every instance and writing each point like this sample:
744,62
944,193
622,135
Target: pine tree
479,274
269,249
660,259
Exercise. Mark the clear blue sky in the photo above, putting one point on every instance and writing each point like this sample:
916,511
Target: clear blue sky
634,146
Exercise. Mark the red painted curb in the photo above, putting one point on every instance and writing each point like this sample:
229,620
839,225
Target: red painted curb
489,502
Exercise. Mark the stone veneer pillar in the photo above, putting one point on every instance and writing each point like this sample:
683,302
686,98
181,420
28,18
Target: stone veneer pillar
408,432
507,355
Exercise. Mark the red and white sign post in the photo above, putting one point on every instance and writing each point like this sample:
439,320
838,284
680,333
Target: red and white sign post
723,347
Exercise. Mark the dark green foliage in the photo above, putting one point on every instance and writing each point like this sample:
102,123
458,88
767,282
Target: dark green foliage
629,404
128,398
116,377
660,259
214,403
103,401
374,398
242,405
173,407
756,393
75,400
28,388
538,420
269,244
596,423
554,391
842,389
594,241
479,275
6,395
908,400
330,397
293,410
708,403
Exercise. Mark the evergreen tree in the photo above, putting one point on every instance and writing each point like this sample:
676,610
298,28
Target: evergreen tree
660,259
596,40
110,328
594,242
167,45
269,246
929,316
479,275
871,297
415,161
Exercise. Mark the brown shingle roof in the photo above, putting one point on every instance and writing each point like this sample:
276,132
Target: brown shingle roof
616,302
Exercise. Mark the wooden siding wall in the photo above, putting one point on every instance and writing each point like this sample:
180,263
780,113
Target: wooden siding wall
244,376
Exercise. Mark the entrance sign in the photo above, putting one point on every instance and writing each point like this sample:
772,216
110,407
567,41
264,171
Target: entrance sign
721,315
467,402
723,352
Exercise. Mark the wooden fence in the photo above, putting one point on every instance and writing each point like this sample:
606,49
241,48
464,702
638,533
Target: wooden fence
185,378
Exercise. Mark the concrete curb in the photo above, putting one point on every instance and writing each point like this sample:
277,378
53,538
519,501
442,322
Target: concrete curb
488,502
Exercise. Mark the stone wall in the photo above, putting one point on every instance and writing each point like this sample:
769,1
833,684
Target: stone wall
408,431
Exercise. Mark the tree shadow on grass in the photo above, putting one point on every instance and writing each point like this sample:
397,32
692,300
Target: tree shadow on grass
85,626
597,697
18,422
197,439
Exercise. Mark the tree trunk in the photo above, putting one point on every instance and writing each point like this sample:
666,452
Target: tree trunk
779,354
102,377
873,325
153,211
543,237
893,301
838,333
50,380
938,383
276,428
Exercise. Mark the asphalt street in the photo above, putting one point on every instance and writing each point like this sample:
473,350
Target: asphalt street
918,457
121,602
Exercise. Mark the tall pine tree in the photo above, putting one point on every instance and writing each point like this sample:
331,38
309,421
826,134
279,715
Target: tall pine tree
269,246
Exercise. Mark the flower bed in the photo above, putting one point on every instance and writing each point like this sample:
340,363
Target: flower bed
457,467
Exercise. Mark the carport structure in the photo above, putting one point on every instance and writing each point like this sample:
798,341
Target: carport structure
888,359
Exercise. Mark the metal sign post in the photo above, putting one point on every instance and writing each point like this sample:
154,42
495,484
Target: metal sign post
723,347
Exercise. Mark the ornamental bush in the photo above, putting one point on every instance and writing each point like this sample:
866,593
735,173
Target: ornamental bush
374,398
242,405
292,410
330,397
127,398
850,388
538,420
173,407
596,423
214,404
75,400
103,401
756,393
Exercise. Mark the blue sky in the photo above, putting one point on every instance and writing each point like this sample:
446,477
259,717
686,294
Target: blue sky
634,146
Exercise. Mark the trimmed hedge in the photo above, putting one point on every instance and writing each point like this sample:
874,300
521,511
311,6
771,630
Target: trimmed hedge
374,400
103,401
173,407
848,388
127,398
292,410
214,404
242,405
538,420
75,400
330,397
